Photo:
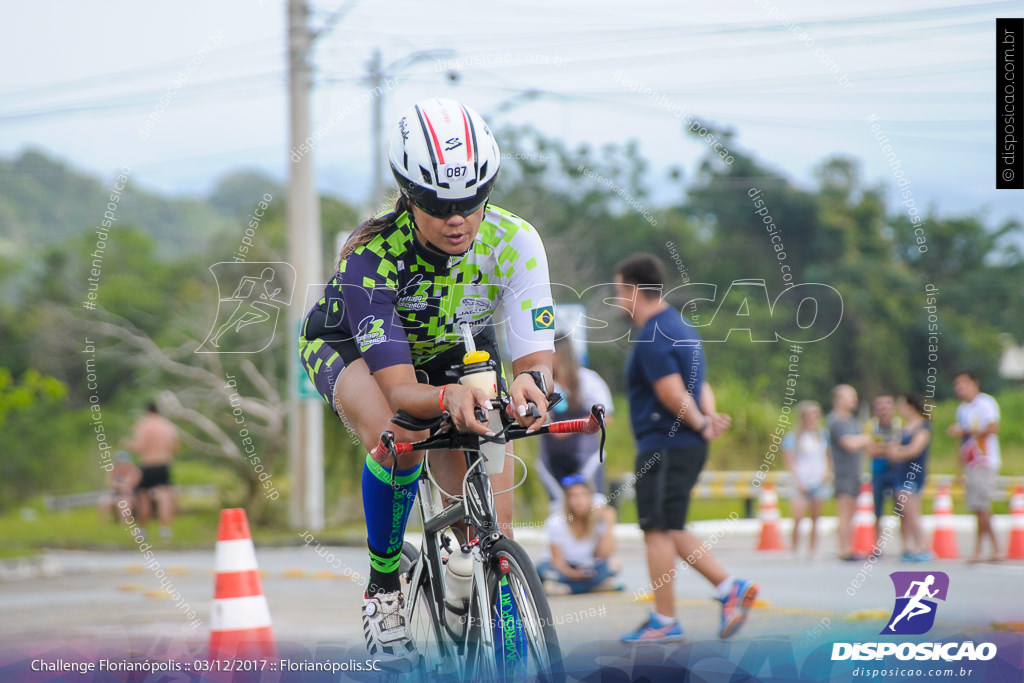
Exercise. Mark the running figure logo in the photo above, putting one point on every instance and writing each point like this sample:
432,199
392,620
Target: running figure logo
247,318
916,592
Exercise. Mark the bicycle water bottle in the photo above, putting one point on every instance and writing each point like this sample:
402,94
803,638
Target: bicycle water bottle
477,372
458,582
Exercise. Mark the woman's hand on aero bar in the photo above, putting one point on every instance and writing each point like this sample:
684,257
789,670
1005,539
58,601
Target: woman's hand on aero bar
524,390
461,403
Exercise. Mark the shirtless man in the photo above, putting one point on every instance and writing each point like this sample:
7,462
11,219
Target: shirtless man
154,440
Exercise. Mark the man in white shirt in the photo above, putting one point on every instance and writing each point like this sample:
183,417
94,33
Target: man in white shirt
977,424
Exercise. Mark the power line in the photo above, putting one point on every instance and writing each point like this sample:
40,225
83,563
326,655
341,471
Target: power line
148,99
171,65
675,31
571,67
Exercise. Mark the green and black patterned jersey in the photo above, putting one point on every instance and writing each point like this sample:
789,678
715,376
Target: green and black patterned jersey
397,302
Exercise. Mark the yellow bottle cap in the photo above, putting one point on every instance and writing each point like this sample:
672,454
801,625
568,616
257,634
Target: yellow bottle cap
476,357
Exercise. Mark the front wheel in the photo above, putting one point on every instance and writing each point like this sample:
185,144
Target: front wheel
423,618
524,642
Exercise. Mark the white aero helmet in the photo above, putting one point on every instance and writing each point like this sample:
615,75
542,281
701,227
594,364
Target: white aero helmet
444,157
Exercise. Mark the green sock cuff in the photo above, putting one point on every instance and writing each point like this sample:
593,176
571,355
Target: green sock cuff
383,564
402,477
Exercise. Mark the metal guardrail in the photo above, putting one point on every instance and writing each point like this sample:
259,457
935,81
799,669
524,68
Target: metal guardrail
735,484
92,498
732,484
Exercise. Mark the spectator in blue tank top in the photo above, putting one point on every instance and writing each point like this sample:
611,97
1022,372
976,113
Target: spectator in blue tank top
909,460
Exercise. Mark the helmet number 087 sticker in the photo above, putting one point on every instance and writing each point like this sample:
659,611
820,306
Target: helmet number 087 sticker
455,171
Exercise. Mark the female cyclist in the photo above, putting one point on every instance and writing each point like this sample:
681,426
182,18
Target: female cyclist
388,328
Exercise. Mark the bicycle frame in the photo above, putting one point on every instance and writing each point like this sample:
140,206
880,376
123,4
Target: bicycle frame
476,509
483,520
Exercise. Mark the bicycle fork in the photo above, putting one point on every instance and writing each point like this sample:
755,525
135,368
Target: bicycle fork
483,632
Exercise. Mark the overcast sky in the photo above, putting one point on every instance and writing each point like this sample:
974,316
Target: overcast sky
82,78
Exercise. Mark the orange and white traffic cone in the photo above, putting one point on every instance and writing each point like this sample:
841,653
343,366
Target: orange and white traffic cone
864,523
771,536
240,623
944,536
1016,545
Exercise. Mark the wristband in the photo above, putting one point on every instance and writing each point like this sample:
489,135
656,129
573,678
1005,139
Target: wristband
440,398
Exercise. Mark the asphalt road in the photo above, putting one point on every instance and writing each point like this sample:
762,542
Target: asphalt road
95,600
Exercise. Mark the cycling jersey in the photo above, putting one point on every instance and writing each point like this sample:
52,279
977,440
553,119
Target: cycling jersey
395,302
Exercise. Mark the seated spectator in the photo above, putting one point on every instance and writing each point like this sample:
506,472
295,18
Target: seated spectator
562,455
121,482
582,556
807,455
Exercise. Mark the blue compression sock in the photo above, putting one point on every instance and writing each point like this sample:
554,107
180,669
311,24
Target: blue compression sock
386,511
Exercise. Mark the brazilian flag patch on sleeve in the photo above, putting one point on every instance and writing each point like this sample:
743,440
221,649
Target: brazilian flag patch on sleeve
543,318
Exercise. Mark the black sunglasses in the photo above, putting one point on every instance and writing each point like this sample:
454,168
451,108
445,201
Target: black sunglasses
446,209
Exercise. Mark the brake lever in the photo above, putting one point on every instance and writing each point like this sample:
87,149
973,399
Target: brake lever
387,440
554,398
597,412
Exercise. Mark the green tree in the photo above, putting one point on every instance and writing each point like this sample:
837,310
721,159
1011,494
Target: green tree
29,455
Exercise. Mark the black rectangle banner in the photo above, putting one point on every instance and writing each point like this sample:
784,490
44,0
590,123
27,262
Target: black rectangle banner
1009,133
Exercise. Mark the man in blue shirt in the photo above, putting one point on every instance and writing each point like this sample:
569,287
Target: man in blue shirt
672,409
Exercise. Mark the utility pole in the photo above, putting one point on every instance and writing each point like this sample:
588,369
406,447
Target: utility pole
305,415
376,79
